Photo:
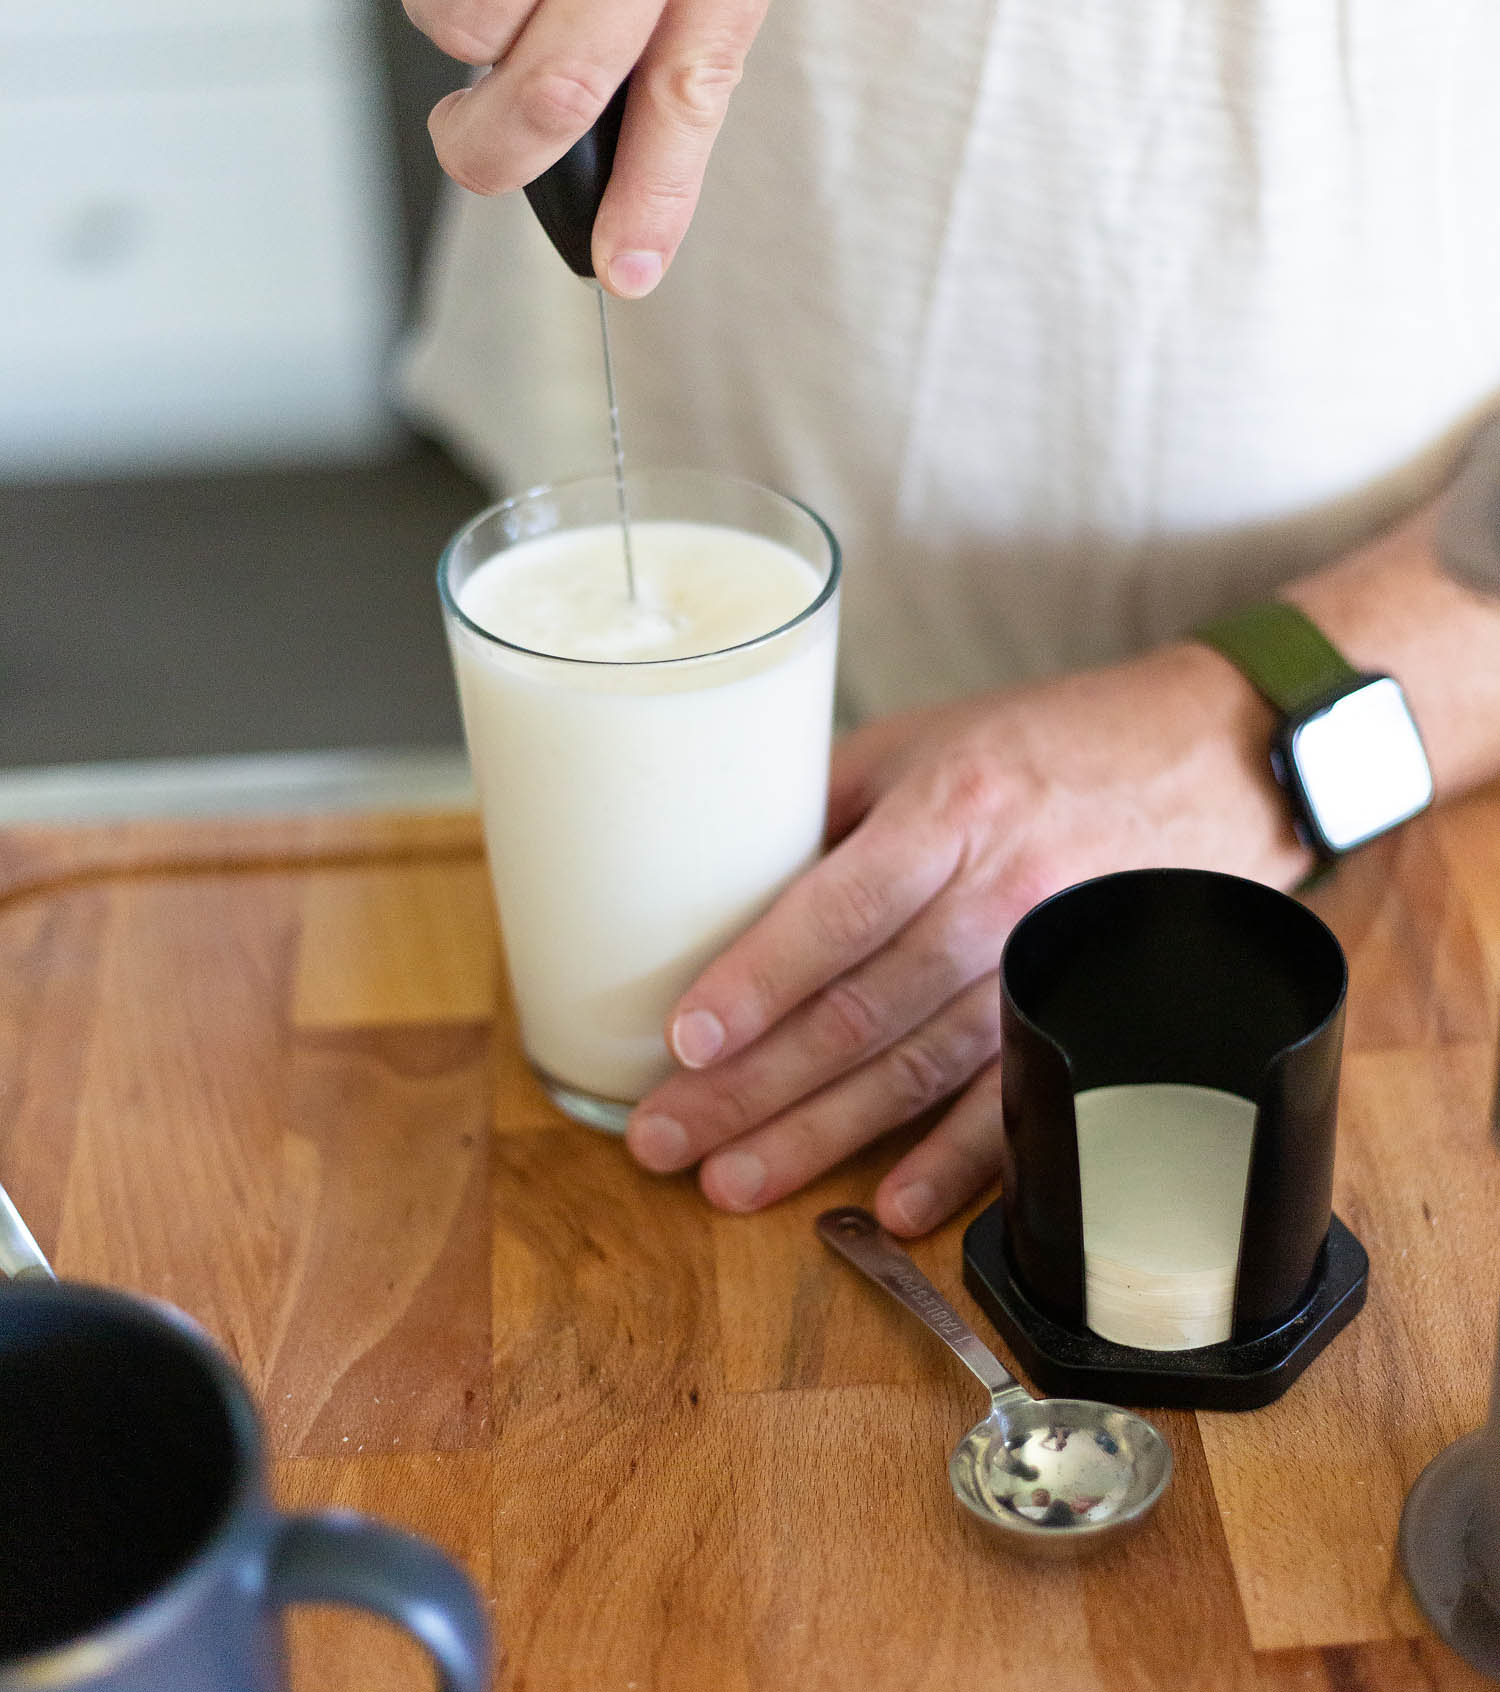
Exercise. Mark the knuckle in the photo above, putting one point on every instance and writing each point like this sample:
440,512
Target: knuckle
667,195
812,1139
727,1112
849,1021
696,93
968,789
918,1076
559,103
850,911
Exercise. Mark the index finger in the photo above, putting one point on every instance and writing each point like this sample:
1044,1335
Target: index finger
841,911
548,88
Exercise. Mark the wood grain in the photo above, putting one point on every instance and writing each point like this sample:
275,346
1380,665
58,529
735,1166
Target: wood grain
798,1318
384,1221
1417,970
1469,840
37,858
612,1455
444,1497
49,998
172,1183
413,943
270,1071
1419,1184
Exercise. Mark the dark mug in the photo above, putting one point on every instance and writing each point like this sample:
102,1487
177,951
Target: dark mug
139,1550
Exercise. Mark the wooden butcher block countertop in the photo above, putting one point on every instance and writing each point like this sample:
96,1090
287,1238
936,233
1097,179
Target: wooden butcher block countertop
267,1070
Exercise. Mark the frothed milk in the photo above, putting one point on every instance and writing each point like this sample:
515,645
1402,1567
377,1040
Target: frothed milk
649,781
699,589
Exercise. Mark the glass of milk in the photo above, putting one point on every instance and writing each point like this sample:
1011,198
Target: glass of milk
652,771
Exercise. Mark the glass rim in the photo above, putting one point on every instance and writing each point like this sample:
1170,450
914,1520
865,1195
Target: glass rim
825,592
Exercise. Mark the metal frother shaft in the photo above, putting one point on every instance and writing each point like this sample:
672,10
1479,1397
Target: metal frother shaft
566,199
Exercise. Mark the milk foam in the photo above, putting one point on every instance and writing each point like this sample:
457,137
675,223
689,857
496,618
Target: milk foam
700,588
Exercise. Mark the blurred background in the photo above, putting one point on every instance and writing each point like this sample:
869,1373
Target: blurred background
217,537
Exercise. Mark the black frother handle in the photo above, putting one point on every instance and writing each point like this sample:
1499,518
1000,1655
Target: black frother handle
566,196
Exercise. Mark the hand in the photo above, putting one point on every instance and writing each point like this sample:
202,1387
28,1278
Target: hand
868,993
555,65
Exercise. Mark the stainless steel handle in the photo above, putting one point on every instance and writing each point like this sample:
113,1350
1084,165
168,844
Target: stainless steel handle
21,1257
856,1235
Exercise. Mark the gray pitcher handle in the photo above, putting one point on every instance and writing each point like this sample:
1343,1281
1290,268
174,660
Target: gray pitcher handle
340,1557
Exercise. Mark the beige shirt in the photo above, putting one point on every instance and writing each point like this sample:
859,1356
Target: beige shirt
1078,321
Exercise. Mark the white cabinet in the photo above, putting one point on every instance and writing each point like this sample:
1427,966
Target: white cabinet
198,255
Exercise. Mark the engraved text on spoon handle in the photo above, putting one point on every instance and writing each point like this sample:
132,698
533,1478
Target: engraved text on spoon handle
856,1235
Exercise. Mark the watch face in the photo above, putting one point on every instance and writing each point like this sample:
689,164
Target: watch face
1360,764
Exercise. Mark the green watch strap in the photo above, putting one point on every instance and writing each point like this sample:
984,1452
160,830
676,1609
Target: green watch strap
1282,651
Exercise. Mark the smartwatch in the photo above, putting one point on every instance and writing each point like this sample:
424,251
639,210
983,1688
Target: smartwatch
1346,750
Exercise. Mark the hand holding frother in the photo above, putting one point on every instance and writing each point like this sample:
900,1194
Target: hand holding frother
553,71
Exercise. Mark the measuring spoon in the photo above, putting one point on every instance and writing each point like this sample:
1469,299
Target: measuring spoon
1057,1475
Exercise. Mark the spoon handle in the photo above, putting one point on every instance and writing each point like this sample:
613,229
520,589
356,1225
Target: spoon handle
20,1256
855,1234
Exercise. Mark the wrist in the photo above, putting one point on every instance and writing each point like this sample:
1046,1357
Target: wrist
1235,728
1391,606
1346,750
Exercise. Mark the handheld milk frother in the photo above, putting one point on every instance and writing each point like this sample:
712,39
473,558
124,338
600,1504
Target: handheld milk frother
566,199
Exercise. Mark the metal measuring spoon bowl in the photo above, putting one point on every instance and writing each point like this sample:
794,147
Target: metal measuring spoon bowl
1059,1476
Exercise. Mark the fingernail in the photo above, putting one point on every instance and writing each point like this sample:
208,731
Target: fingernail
657,1142
697,1038
634,274
737,1178
914,1206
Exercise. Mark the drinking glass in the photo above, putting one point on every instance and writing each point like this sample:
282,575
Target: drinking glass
639,814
